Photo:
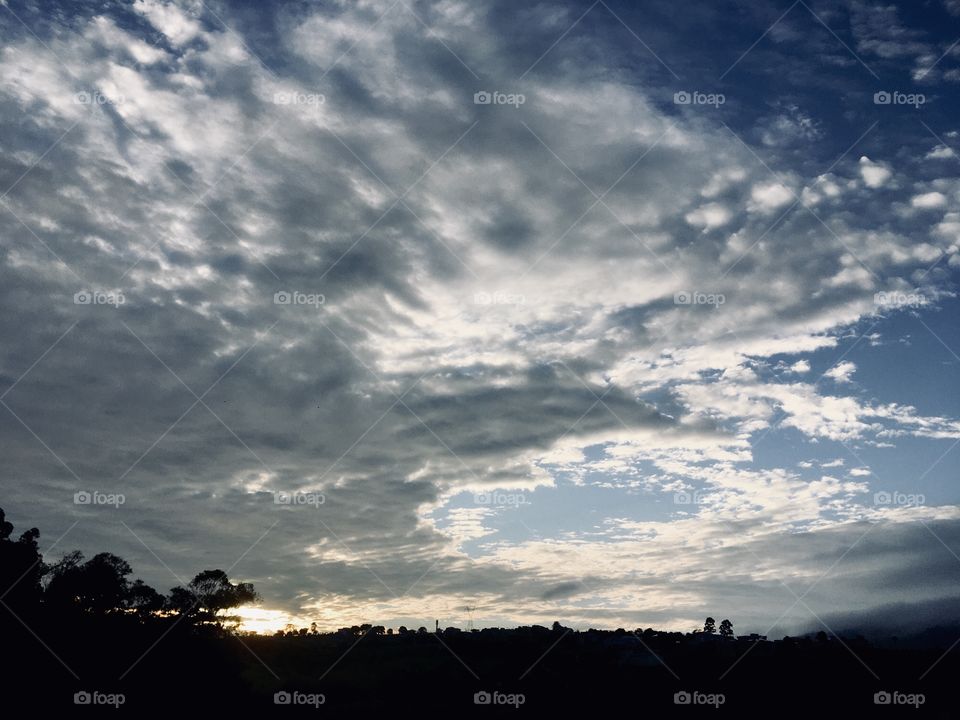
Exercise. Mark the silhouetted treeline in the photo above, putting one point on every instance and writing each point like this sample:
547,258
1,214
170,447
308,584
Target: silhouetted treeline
83,632
102,586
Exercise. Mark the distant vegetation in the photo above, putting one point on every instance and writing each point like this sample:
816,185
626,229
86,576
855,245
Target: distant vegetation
81,631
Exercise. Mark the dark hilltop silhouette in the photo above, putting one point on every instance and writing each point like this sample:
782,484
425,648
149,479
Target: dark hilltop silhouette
80,635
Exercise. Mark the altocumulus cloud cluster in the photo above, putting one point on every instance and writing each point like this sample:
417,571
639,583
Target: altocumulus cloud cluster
608,355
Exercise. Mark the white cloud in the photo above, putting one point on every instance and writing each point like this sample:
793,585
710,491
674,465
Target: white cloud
723,180
930,200
841,372
824,187
106,32
767,197
169,19
940,152
709,216
509,388
875,175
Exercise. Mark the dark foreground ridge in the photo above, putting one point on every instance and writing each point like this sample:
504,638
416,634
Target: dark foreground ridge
79,636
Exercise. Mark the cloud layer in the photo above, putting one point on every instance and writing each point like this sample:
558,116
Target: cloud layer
592,355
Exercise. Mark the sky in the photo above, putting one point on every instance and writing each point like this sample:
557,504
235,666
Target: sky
493,313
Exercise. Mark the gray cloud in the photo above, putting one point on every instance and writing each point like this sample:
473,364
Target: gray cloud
191,190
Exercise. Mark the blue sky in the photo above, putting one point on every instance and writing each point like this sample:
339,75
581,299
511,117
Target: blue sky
599,312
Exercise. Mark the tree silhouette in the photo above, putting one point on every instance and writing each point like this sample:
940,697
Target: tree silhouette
98,585
94,616
143,599
21,566
209,593
182,601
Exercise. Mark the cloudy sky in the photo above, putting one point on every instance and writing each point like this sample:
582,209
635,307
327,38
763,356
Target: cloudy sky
503,312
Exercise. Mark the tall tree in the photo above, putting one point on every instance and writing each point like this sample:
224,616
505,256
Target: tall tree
98,585
21,567
208,594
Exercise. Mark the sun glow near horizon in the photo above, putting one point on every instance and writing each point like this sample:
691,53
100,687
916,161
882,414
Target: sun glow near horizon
264,621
